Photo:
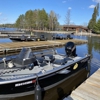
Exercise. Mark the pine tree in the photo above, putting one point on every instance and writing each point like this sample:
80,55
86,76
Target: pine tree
92,21
97,27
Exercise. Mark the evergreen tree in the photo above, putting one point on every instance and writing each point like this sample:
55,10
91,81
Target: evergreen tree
92,21
43,18
97,27
29,19
98,9
20,22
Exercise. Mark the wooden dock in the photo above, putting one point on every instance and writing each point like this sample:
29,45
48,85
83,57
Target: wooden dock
15,47
89,90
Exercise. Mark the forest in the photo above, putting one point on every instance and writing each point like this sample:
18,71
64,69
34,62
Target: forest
38,19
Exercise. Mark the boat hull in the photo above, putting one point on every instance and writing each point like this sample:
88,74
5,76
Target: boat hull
19,39
65,88
60,91
61,84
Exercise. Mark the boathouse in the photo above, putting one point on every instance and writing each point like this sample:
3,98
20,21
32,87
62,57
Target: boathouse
75,28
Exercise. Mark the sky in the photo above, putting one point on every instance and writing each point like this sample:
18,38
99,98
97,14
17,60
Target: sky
80,10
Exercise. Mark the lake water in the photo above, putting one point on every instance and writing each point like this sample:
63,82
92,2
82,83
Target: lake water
92,48
8,29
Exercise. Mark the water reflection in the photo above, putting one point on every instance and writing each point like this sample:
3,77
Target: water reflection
92,48
93,43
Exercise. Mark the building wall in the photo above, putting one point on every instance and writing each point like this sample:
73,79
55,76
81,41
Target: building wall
76,29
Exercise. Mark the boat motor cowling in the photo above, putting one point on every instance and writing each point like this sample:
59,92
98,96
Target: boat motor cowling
70,49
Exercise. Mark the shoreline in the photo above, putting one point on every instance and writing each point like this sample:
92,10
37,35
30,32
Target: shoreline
23,31
69,32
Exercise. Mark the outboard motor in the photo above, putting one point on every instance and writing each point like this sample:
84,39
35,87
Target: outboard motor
70,49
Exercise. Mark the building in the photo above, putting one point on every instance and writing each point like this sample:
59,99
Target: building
75,28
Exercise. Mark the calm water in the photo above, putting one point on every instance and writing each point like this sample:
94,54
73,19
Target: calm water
92,48
7,29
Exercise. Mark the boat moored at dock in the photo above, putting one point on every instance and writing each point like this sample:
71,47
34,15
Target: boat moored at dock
53,72
22,38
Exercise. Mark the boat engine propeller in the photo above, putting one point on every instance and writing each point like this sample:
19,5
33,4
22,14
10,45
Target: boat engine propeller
70,49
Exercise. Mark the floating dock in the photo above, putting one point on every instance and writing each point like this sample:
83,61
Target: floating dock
89,90
15,47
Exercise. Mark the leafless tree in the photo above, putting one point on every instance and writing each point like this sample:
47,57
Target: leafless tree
67,17
53,20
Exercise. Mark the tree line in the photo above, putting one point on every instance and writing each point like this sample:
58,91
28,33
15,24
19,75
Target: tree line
38,19
94,23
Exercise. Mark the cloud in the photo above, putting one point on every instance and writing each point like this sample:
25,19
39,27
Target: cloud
98,1
91,6
69,8
64,1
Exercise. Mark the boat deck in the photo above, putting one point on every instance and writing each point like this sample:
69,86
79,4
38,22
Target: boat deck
15,47
44,68
89,90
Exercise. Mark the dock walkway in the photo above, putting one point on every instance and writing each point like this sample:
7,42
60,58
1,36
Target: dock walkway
14,47
89,90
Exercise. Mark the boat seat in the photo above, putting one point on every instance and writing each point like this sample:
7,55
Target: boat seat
49,58
61,61
44,59
25,57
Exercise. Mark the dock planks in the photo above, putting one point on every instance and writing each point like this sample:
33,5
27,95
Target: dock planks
89,90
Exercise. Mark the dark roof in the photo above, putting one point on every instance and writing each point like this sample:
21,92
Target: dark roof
75,26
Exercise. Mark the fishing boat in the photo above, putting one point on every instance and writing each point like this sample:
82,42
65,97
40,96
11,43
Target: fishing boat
43,74
22,38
